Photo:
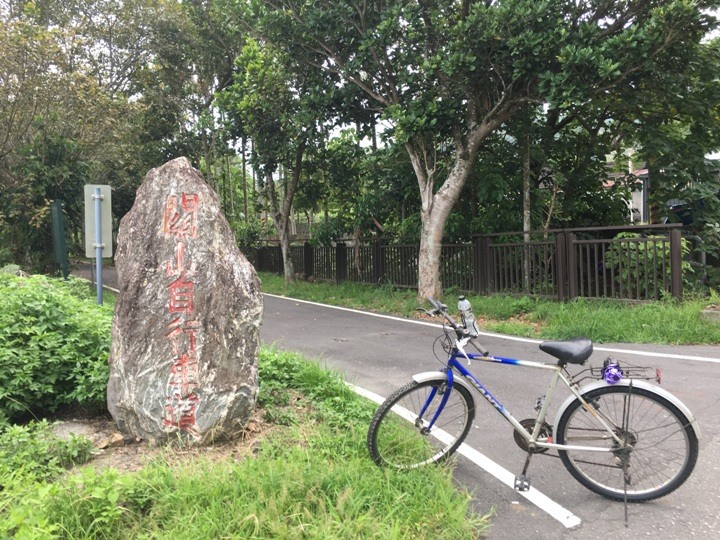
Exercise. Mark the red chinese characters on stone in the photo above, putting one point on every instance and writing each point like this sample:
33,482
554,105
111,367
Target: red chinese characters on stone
181,334
181,296
181,215
180,413
181,291
181,399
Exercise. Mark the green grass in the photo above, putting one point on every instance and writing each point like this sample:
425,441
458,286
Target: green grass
311,478
604,321
383,298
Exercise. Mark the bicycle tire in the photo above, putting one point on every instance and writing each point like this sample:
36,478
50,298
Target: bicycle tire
396,436
664,444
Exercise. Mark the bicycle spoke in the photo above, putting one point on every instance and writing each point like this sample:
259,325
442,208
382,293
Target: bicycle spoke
399,437
653,453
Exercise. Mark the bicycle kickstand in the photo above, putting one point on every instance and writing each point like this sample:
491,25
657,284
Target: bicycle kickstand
522,482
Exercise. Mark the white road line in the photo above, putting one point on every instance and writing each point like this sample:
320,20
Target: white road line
542,501
500,336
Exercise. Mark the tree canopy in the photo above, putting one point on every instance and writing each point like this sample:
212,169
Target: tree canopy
448,74
432,119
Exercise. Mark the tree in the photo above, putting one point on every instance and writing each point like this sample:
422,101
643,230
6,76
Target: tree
67,70
674,140
101,91
284,110
62,131
447,74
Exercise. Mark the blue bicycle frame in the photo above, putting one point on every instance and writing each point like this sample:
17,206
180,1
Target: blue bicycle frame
455,363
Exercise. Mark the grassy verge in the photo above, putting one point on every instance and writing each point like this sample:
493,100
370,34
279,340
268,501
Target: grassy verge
311,478
604,321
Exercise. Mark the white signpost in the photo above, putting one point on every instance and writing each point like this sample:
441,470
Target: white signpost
98,228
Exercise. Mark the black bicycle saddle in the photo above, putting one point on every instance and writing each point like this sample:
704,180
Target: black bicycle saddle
569,351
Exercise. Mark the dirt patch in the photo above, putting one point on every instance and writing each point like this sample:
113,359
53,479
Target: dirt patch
112,449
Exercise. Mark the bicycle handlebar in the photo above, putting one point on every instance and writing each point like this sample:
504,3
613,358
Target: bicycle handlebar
441,309
460,331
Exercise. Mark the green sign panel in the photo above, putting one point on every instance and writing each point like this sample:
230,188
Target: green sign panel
58,235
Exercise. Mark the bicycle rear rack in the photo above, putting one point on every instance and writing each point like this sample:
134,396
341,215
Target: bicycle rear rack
611,368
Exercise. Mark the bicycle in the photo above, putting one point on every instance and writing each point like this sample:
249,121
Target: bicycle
619,436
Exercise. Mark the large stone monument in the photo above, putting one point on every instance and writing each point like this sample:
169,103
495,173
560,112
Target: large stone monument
185,336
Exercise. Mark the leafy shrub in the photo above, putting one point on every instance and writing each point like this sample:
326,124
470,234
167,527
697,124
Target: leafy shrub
34,451
643,266
77,287
53,347
11,269
327,232
248,235
713,278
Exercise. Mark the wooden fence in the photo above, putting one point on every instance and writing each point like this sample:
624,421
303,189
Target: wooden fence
562,264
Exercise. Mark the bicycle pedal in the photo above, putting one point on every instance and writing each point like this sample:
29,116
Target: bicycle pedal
522,483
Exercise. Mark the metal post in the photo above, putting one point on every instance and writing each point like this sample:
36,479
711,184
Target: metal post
309,260
477,262
572,271
561,266
676,263
98,243
340,262
58,235
378,261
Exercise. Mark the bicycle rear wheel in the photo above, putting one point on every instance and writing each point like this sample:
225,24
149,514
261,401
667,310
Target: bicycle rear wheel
398,435
659,451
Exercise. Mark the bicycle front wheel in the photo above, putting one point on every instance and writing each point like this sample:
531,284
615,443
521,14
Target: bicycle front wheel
399,435
658,451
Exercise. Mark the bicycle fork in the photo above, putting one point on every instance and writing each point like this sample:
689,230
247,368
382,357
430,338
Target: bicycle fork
445,392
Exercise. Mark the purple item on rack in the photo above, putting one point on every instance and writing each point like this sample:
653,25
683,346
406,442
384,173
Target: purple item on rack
612,373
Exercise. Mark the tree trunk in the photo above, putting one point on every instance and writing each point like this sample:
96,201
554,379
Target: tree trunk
435,208
429,284
255,196
526,214
281,225
244,182
209,177
288,267
434,214
282,207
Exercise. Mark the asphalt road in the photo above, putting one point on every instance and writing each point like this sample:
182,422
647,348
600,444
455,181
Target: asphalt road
381,354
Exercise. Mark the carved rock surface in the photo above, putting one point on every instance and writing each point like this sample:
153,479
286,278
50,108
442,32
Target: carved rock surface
185,336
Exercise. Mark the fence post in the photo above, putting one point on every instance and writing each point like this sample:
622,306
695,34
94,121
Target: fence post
561,265
340,262
481,263
477,261
676,263
572,271
309,260
378,257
